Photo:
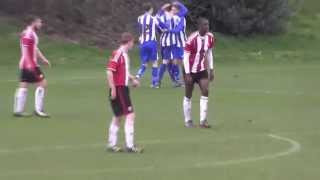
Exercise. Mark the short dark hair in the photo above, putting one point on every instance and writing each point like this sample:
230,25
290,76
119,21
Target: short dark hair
126,37
147,6
30,19
201,20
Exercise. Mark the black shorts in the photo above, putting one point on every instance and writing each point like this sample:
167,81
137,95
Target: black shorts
122,104
31,75
196,77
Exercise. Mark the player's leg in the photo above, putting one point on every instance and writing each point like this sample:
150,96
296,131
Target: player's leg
144,55
178,56
204,87
113,135
187,104
128,111
165,52
170,70
40,94
118,111
154,60
20,99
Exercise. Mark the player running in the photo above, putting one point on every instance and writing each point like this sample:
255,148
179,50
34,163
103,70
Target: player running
148,43
30,72
118,77
198,60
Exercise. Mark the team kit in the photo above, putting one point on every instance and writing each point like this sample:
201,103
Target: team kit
188,61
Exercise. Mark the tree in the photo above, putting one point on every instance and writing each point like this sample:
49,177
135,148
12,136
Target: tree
242,16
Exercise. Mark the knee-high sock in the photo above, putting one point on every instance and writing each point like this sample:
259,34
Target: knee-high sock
154,75
171,71
203,108
141,70
187,109
129,130
20,99
39,99
113,133
162,69
176,72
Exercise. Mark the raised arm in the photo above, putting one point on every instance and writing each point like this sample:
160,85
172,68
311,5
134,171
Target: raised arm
183,10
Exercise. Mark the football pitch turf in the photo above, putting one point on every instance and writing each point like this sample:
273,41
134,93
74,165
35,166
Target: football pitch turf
264,107
265,126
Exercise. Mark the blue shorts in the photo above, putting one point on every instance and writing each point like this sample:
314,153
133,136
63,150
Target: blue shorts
148,52
172,52
177,53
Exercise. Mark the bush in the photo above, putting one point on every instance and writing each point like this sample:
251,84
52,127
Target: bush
242,16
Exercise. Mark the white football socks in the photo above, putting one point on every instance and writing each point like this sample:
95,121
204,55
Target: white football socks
113,133
129,130
187,109
20,100
203,108
39,99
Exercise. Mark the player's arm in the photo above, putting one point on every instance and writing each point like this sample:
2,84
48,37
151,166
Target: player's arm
210,60
111,83
183,10
186,65
134,80
112,67
42,57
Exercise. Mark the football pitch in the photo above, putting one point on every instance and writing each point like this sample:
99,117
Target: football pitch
264,107
265,126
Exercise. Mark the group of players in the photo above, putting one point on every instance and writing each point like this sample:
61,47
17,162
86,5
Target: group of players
170,23
194,54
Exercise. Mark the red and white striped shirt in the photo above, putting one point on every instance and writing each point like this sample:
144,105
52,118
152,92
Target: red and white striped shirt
29,45
119,65
198,51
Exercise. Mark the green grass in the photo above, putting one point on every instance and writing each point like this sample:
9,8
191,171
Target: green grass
264,85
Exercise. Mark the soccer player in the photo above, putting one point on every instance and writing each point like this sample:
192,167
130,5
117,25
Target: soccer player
167,39
198,60
148,43
118,77
180,33
30,72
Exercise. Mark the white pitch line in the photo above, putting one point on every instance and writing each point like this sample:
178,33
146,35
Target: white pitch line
295,147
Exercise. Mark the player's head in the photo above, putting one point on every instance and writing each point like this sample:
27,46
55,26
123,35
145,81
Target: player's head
148,7
34,21
175,8
127,40
203,25
167,7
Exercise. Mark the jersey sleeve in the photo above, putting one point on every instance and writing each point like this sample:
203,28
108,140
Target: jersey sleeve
113,62
188,48
27,41
211,42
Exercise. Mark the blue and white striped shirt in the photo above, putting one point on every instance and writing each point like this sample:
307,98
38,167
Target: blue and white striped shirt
169,38
148,26
181,34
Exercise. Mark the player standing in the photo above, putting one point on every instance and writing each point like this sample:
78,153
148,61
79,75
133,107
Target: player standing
180,34
118,77
148,43
30,72
167,39
198,59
